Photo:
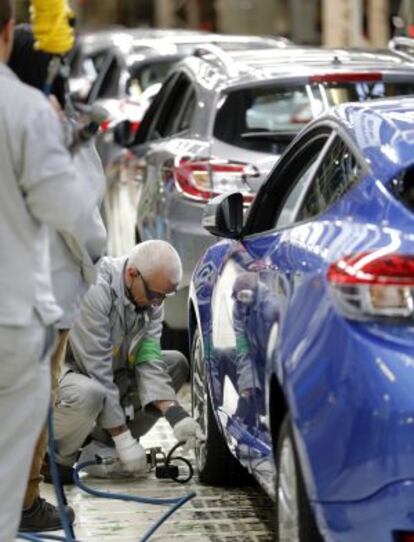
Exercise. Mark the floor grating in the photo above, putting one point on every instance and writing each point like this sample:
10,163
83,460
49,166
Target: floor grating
214,515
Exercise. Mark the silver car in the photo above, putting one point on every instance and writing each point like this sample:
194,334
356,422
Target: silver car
221,121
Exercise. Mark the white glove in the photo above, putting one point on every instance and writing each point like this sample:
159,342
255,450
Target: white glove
187,429
131,454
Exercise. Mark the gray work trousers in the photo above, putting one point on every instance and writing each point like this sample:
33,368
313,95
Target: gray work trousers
80,402
24,399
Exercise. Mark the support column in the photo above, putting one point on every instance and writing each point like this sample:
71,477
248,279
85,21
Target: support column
177,14
335,23
378,27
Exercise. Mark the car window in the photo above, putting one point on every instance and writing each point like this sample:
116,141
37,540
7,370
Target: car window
260,118
276,202
109,87
147,130
168,122
337,173
187,111
142,77
295,197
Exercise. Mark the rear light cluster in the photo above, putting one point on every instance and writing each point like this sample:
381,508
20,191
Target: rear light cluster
346,77
367,285
202,179
404,537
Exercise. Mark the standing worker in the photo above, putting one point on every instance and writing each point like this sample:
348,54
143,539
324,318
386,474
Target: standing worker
39,188
73,260
118,382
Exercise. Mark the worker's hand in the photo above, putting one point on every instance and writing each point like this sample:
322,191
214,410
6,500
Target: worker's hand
131,454
185,428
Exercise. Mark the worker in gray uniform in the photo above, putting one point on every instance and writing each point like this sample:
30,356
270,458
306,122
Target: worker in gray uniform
73,257
39,188
117,381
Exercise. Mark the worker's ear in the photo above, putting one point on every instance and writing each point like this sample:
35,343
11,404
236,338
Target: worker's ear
132,272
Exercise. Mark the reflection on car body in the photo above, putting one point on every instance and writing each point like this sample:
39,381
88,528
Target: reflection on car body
200,139
313,317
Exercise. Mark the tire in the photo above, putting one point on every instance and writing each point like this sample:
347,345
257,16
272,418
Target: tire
215,464
294,517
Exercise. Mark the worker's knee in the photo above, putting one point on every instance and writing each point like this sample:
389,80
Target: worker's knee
178,367
86,397
92,398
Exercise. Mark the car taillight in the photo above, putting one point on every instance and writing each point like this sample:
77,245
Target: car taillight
404,537
135,124
105,125
371,284
345,77
202,179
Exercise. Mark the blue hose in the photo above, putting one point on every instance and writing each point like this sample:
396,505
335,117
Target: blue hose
177,502
119,496
67,527
35,538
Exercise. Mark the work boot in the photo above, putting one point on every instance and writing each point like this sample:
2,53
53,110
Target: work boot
65,473
43,516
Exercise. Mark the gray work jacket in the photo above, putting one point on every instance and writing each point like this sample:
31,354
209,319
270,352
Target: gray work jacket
39,188
105,339
74,257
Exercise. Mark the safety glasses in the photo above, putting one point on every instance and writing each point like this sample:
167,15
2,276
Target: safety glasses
153,295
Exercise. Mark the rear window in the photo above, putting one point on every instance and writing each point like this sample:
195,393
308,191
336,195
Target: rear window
266,118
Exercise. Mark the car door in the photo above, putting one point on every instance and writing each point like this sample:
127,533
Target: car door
164,136
260,280
292,264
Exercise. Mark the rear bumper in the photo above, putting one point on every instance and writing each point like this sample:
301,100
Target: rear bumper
372,520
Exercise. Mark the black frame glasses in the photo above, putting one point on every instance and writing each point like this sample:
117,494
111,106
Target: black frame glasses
151,294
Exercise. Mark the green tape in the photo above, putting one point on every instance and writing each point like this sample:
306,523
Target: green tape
148,350
242,344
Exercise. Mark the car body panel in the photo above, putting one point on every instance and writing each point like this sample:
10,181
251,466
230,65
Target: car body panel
266,313
212,83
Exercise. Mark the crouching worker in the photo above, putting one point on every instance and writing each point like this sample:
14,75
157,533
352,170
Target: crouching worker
117,382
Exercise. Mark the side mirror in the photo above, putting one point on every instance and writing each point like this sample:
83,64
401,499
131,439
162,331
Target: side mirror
223,215
124,134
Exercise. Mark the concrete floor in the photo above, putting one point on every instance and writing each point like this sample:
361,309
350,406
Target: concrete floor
214,515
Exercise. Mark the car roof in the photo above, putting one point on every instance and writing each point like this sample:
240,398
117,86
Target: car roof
124,38
170,41
292,62
383,130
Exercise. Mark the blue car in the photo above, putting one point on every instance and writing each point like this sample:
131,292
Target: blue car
302,330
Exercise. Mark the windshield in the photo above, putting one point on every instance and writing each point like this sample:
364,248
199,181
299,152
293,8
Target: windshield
244,117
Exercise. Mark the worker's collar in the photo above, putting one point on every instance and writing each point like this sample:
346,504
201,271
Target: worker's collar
5,70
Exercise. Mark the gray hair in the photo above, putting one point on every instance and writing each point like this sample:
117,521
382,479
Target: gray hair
149,256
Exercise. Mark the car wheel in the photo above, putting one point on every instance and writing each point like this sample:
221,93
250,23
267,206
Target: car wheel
215,463
294,517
